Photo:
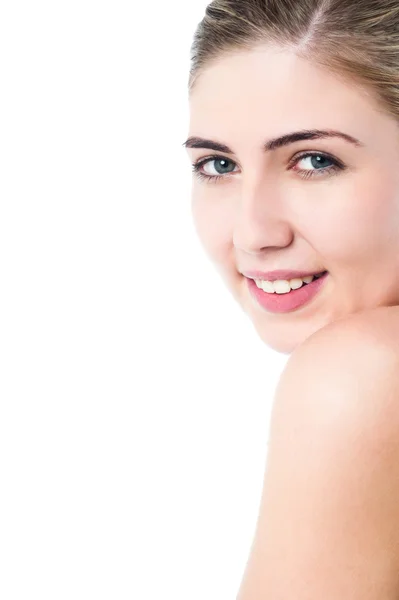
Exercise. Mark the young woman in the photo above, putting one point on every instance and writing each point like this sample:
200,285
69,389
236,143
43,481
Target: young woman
294,140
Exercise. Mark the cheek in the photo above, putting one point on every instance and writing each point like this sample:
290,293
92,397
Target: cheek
381,204
212,225
371,216
356,218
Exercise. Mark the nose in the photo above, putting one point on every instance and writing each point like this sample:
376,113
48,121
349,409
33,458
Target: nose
261,221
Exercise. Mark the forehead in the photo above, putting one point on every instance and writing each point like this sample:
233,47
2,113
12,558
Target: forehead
270,90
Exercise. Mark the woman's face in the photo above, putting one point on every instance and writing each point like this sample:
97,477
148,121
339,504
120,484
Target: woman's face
337,211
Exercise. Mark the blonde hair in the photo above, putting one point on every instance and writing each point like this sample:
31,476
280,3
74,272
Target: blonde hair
357,40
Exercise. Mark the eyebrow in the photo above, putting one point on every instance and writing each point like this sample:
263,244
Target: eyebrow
279,142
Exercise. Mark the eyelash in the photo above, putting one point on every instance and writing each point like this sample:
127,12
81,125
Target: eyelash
304,173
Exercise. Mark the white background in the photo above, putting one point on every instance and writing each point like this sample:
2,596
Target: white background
134,393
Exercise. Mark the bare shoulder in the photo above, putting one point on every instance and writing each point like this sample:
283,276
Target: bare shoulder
373,329
328,523
350,369
357,356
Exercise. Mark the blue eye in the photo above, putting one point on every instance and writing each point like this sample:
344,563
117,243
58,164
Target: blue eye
317,161
225,166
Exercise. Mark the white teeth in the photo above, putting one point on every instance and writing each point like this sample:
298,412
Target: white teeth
266,286
281,286
296,283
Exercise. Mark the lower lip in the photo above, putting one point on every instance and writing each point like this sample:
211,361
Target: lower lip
281,303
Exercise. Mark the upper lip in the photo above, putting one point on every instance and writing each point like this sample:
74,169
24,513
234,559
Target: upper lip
279,274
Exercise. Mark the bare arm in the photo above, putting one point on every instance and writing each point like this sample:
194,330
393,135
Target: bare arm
328,524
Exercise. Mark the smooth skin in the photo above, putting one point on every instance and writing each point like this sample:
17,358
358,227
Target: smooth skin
266,215
328,523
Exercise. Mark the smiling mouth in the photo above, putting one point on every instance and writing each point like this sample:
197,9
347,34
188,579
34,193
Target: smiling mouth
297,282
279,297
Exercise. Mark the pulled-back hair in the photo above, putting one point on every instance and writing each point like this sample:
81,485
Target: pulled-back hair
354,39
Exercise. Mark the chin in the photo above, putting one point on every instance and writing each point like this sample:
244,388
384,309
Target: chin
278,343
